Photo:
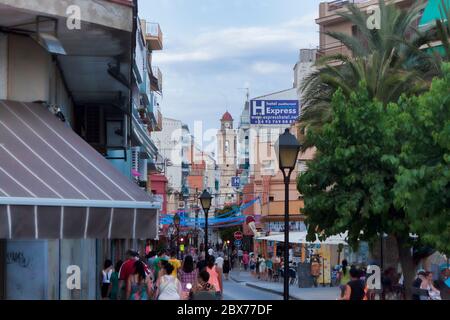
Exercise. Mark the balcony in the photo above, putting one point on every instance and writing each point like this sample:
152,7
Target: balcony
156,79
153,35
141,132
329,12
144,90
159,119
333,48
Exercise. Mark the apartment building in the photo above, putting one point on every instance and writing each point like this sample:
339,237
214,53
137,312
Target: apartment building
71,95
330,20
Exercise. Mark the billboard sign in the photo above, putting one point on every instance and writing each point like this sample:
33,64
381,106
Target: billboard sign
274,112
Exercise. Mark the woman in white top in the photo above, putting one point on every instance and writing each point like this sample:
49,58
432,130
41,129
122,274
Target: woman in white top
262,268
168,286
427,284
106,278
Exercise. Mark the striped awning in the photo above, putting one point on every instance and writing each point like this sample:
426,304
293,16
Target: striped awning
54,185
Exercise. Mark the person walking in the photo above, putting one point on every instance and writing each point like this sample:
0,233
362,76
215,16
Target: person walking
262,268
315,270
252,265
201,264
139,284
427,284
114,291
220,260
226,267
269,268
215,276
355,288
344,276
174,262
168,287
106,278
417,284
125,271
162,256
187,275
203,290
257,261
245,260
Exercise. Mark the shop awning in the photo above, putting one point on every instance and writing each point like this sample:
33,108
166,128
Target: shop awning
54,185
300,237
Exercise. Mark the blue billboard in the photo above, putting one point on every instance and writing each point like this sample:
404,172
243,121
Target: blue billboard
274,111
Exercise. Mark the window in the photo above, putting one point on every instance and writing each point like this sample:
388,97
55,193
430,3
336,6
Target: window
114,133
271,199
227,146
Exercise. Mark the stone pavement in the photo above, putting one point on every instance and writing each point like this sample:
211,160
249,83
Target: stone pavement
296,293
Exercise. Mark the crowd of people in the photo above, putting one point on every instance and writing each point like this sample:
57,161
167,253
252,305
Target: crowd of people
354,286
162,276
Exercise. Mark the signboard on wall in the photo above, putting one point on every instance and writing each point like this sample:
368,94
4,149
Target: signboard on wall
274,112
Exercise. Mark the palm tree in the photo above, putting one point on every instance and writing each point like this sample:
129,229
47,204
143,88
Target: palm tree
443,28
383,59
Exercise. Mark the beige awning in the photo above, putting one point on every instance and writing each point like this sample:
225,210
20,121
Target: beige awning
55,185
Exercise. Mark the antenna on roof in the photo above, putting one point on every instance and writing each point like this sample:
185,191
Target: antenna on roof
247,94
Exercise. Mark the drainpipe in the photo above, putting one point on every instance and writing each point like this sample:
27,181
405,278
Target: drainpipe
133,57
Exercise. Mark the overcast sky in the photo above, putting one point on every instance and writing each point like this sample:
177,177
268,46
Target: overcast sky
214,47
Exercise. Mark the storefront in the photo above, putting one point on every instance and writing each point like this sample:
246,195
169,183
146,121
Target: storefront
57,196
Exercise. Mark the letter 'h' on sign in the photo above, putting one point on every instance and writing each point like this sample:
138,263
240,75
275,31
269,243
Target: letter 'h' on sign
259,108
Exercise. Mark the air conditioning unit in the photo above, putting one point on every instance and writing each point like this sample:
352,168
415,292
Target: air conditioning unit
135,151
180,204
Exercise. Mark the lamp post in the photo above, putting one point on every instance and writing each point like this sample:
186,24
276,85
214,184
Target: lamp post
287,148
205,200
176,222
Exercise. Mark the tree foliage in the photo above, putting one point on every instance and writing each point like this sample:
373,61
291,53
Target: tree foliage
383,168
349,184
423,183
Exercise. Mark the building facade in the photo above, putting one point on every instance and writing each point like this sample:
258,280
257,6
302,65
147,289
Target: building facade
83,94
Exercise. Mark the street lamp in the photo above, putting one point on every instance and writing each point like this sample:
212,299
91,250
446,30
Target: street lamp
176,222
205,200
287,148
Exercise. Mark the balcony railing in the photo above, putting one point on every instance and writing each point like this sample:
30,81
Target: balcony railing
333,48
153,35
157,79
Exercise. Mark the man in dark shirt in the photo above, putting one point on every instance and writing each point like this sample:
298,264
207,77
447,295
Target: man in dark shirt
354,290
416,284
201,264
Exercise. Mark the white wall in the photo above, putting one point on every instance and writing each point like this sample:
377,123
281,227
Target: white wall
3,65
169,144
32,75
29,70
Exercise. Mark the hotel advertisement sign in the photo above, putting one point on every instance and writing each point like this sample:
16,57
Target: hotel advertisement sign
274,112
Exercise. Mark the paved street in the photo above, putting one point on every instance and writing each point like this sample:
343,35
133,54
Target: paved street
239,291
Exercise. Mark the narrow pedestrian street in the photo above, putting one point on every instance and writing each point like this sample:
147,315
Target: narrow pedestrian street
240,291
148,149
